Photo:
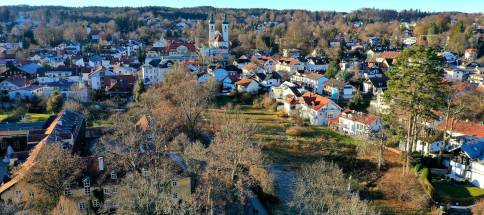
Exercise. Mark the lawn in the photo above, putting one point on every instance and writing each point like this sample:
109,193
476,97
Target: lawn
36,117
454,192
317,142
29,117
3,116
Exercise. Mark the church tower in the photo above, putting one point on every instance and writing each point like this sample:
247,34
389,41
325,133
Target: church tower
225,29
211,29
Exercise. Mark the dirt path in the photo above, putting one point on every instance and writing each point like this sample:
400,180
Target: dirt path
390,182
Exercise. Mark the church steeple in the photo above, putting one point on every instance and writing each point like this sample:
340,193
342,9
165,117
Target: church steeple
225,29
226,20
211,28
212,19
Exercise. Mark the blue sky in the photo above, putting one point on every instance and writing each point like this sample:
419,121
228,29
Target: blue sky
337,5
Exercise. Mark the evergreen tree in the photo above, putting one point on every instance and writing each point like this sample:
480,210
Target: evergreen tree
55,102
416,89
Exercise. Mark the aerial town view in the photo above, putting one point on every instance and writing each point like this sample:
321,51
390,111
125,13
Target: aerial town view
242,107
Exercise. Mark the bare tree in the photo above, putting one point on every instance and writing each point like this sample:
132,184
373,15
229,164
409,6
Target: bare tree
53,169
66,206
323,189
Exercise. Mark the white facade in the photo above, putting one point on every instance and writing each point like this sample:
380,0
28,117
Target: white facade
153,74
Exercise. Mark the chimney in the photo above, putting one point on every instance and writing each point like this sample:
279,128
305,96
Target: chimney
100,161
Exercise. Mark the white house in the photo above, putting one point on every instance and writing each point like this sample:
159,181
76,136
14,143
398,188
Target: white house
318,109
153,74
454,74
51,75
290,65
358,123
248,85
468,163
96,78
313,81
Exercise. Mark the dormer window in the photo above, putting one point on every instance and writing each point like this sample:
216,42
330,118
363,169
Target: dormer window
87,182
67,189
114,176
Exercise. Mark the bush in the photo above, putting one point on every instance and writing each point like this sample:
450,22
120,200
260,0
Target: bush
425,180
246,98
296,131
417,168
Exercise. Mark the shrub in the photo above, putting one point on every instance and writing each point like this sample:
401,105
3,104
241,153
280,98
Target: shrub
424,179
295,131
246,98
417,167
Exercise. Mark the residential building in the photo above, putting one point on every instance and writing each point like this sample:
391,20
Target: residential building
357,123
313,82
338,90
318,109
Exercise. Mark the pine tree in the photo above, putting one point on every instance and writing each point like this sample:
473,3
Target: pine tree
416,89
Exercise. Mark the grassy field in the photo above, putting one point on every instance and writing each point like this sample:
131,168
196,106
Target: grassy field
316,143
29,117
36,117
462,193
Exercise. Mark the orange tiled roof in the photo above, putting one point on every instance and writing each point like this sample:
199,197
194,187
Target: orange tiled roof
290,61
389,54
244,82
466,128
364,118
250,66
315,101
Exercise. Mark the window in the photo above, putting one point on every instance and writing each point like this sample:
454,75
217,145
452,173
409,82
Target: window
82,206
67,189
114,176
173,183
175,195
115,190
106,191
18,193
95,203
87,190
31,194
87,182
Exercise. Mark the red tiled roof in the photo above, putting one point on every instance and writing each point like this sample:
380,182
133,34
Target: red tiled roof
290,61
315,101
466,128
175,44
389,54
360,117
